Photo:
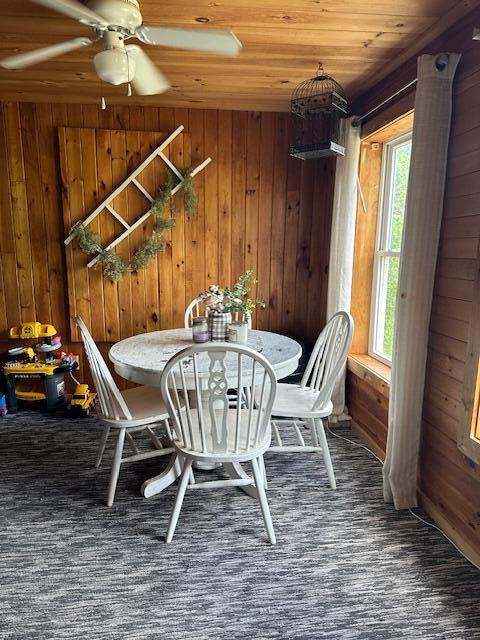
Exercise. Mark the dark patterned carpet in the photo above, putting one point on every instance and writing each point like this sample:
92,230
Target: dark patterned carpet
346,565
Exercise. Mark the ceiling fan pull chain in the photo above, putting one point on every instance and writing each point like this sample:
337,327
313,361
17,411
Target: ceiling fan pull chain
129,90
103,104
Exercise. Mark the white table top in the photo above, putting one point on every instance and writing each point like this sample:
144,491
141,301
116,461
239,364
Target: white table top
142,358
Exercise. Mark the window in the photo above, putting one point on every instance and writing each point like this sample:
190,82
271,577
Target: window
468,439
393,192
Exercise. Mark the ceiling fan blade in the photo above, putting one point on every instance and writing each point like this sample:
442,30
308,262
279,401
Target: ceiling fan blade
147,80
74,9
222,42
29,58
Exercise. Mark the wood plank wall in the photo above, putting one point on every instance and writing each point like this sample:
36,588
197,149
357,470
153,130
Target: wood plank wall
257,209
449,482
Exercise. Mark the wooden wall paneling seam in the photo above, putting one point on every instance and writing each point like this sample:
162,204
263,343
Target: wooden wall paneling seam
70,270
225,215
196,249
120,204
191,246
320,244
278,223
90,201
165,273
51,197
36,216
121,161
292,217
179,256
300,318
446,364
137,205
10,285
20,213
108,230
76,212
239,156
134,121
265,200
252,197
212,248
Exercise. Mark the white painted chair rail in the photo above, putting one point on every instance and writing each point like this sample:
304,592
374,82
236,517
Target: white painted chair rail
132,179
303,407
138,409
206,428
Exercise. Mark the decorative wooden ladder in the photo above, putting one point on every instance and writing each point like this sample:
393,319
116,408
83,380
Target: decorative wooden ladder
132,179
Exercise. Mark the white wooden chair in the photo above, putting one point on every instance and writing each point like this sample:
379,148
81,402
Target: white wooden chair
197,308
309,403
206,428
127,412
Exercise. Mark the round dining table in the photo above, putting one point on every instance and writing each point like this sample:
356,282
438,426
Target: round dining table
143,357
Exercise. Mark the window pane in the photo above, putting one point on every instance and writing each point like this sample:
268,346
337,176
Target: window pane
386,304
400,167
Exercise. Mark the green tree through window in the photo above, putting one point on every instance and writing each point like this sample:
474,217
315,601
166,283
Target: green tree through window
396,164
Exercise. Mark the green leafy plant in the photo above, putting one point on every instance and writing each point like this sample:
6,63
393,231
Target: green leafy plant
234,299
114,266
165,194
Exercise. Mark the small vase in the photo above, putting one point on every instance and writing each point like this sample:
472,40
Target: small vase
218,322
238,331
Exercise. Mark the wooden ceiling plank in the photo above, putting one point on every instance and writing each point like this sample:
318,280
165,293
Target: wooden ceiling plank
281,47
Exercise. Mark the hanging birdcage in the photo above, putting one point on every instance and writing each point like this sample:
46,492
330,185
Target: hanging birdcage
317,107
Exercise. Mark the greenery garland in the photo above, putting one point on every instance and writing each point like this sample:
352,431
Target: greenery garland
114,266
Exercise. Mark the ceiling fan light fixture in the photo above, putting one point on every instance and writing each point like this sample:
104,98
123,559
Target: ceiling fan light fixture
121,13
114,66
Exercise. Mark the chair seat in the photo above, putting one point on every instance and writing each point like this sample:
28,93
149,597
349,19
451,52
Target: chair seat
295,401
217,453
146,405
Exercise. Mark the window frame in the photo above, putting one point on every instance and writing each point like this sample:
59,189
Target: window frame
384,222
468,437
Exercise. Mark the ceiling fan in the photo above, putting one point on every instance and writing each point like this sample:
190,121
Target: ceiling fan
115,21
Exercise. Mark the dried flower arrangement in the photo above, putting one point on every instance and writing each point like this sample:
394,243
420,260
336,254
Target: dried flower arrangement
114,266
235,299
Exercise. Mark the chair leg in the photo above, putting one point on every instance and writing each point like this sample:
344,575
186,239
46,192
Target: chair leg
117,461
326,452
101,446
131,442
262,497
313,431
182,487
261,464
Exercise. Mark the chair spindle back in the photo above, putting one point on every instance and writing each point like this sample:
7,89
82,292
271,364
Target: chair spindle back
194,387
328,357
112,404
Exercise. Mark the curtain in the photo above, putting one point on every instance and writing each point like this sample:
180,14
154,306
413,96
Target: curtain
423,216
342,244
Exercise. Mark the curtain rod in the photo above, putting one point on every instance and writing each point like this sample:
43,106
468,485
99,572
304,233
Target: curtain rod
358,121
441,62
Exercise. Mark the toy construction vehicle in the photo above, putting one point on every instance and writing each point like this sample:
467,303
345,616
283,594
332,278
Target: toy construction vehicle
82,400
27,378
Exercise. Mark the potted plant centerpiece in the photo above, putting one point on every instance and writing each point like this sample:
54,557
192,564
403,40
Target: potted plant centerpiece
230,309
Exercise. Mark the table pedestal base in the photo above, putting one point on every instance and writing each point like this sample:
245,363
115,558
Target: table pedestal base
236,471
157,484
